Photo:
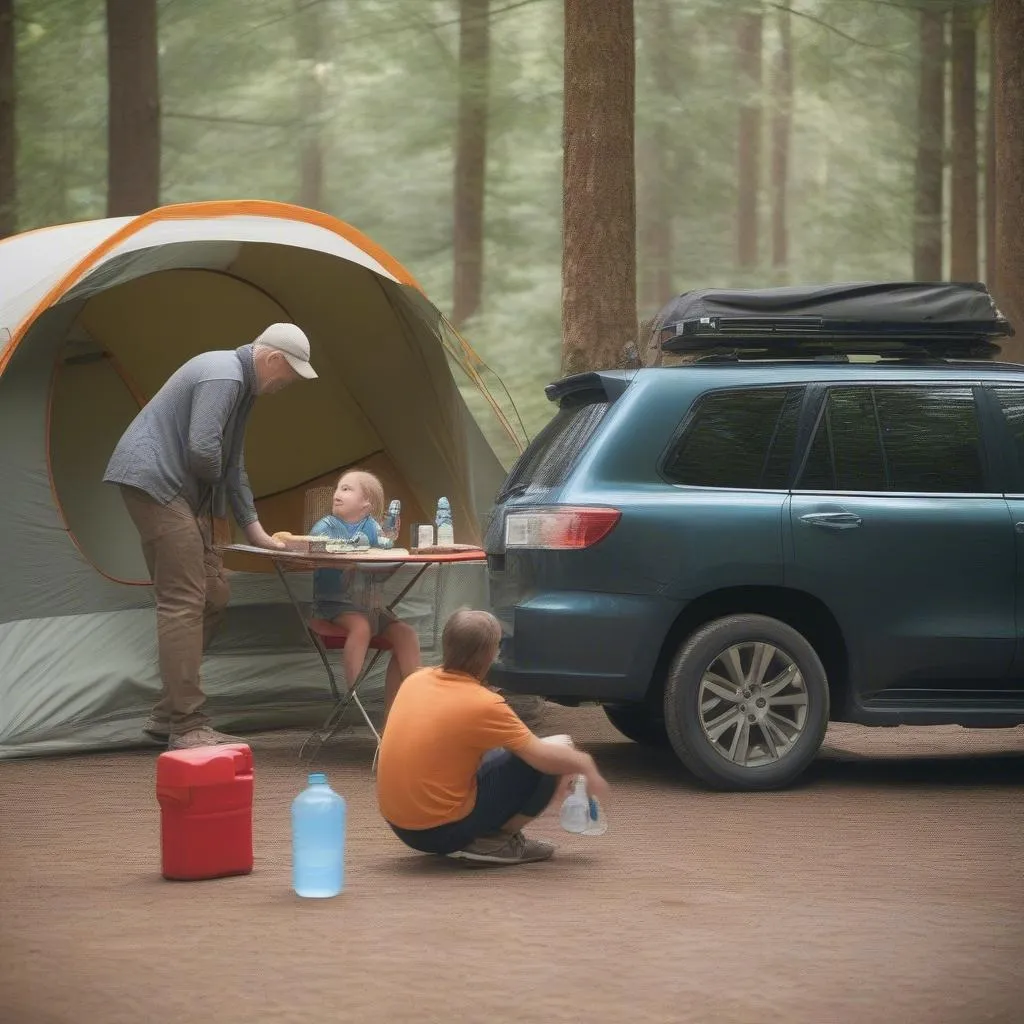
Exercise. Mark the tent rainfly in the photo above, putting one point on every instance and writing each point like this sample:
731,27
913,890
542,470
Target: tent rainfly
94,316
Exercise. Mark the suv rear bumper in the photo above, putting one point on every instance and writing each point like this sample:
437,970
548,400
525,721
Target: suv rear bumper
581,645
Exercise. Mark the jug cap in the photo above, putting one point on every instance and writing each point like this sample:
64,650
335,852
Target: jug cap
317,779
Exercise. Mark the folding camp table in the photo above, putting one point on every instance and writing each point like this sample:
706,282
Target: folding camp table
284,561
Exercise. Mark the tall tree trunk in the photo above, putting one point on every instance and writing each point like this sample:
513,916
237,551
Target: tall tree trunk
1009,82
8,140
990,165
931,114
654,175
964,201
471,158
133,117
782,123
599,324
748,155
313,46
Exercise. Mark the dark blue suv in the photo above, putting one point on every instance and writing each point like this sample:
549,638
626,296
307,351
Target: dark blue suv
819,516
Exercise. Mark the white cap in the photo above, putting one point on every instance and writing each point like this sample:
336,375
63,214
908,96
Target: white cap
292,343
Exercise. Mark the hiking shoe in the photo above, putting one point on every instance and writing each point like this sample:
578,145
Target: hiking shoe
502,848
204,736
156,729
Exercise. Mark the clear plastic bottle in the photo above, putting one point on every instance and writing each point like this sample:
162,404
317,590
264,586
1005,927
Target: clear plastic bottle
392,523
582,814
443,522
575,813
318,840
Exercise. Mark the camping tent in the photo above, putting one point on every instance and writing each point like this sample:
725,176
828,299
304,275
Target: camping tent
93,318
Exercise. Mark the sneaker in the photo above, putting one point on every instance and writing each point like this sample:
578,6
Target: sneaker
204,736
156,729
502,848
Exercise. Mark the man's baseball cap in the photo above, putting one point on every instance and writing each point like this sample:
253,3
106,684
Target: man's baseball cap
292,343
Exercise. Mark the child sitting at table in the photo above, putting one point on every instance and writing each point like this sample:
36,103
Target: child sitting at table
352,598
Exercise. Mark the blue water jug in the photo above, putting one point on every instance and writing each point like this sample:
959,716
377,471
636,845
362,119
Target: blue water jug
318,840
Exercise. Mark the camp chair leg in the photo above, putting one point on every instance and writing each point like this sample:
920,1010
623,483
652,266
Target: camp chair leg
311,747
353,697
316,739
312,744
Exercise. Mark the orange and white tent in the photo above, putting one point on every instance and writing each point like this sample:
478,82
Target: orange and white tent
93,318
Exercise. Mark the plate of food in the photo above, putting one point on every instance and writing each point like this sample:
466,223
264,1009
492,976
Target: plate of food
302,543
372,554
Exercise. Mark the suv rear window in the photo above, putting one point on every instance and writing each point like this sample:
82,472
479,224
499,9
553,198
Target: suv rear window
744,437
551,455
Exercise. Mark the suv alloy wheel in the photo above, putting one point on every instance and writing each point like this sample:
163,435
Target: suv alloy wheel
747,702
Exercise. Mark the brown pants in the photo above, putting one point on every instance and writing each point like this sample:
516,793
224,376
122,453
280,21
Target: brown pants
191,594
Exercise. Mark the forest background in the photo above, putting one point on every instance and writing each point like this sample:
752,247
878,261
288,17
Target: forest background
552,171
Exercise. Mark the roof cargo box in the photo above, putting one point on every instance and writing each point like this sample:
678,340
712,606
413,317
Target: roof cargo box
944,319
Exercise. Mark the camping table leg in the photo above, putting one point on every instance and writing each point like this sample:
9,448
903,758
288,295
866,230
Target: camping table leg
320,649
316,739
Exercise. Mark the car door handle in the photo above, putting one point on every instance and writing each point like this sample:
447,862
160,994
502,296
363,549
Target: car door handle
832,520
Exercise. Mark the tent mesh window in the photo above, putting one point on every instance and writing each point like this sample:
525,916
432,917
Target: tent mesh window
316,504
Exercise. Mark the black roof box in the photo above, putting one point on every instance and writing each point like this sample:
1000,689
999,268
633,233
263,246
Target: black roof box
943,319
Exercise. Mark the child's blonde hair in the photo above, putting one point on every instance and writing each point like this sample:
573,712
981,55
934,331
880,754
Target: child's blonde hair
373,490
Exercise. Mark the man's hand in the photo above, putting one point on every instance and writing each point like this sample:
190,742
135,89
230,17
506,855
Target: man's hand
555,755
259,538
597,786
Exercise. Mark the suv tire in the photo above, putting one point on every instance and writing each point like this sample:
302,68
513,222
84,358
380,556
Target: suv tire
639,723
765,697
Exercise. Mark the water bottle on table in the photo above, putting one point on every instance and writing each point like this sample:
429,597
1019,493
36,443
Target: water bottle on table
318,840
443,522
390,526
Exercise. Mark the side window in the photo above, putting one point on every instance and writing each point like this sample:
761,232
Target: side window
920,439
846,452
1011,401
738,438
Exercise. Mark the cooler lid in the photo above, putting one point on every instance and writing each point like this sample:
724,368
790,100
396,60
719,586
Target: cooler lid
204,766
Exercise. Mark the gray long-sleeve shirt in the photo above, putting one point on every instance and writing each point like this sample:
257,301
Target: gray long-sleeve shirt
188,440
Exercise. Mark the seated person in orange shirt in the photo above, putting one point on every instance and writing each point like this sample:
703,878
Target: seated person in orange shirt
459,773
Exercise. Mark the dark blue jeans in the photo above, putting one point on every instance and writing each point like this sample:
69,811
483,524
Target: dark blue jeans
506,786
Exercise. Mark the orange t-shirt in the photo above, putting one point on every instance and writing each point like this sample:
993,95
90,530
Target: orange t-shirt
439,727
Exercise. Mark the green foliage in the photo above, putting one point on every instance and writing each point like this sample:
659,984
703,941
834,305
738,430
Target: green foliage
231,88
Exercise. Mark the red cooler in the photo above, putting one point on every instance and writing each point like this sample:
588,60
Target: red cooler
205,797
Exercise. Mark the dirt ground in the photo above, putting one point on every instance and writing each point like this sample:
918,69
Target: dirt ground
886,887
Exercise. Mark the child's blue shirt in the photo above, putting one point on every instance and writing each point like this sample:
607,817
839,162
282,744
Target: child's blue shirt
336,590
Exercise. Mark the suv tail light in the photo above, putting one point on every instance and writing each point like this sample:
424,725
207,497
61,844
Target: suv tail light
562,528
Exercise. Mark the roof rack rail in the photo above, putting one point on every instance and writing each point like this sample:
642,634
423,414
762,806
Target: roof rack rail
823,349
